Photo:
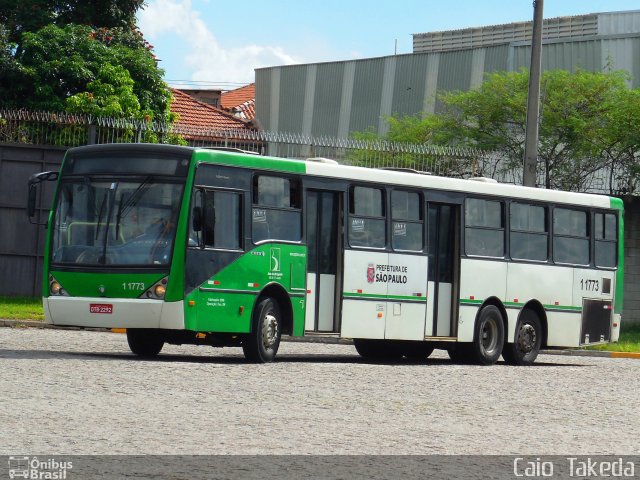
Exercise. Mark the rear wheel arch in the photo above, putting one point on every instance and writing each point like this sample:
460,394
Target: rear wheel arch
496,302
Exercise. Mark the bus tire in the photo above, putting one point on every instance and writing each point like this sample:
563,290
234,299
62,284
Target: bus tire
145,342
261,345
417,351
378,350
488,338
526,342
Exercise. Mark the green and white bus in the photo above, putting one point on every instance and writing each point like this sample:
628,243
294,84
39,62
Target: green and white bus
200,246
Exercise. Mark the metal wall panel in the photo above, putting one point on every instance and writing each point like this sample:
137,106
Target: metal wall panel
21,243
367,92
454,72
614,23
495,59
292,94
328,94
263,97
586,55
618,54
409,85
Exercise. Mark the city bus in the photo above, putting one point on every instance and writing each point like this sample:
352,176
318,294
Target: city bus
201,246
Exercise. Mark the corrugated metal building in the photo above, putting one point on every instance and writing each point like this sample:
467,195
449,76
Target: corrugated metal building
336,98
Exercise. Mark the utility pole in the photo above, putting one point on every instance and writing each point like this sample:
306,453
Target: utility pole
533,100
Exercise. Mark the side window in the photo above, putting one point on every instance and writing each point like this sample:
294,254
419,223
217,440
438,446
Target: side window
407,221
484,227
276,213
367,219
606,240
216,220
570,236
529,237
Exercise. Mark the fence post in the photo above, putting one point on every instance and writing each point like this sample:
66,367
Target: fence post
91,134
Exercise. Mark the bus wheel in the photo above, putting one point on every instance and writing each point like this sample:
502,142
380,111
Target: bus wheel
488,338
417,351
527,340
145,342
379,350
261,345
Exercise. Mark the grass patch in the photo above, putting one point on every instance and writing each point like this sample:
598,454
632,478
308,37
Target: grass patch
629,340
21,308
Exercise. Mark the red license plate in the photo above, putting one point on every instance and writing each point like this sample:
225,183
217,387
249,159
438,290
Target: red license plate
101,308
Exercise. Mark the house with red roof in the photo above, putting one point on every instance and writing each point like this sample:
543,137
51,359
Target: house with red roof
200,123
241,101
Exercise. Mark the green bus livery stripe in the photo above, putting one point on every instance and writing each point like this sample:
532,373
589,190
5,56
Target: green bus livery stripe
618,204
372,296
558,308
250,161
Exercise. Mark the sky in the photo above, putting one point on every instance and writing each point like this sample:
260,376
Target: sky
218,44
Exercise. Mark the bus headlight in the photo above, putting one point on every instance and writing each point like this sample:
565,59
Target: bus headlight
159,291
156,291
55,288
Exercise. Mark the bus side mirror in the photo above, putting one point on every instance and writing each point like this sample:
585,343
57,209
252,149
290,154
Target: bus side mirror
32,198
197,219
31,201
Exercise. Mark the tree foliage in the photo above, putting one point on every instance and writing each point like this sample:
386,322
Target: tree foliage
589,122
84,57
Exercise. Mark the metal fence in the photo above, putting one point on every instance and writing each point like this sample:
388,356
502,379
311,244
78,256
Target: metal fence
69,130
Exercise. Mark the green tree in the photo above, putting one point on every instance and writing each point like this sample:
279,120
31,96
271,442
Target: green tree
20,16
589,122
51,51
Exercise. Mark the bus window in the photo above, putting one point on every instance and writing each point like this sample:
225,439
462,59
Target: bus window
484,228
606,240
219,220
276,209
529,238
407,221
570,236
367,222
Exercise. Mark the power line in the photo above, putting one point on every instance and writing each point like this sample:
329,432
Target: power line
205,83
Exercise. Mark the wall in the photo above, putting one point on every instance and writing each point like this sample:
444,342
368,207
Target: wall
21,243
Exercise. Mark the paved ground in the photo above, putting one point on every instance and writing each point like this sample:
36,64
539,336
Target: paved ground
78,392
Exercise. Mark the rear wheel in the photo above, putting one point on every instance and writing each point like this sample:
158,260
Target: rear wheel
488,338
261,345
526,342
145,342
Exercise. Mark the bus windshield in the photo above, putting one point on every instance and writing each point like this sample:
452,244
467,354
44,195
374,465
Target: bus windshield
115,222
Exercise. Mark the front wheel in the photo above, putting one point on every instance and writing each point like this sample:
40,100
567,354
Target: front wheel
488,338
526,342
145,342
261,345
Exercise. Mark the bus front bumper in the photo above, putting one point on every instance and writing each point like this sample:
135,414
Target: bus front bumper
101,312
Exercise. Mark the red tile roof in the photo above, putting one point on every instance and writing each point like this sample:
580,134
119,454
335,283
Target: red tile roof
241,101
198,115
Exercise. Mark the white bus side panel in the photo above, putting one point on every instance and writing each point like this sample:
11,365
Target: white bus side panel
126,313
310,310
550,285
479,280
364,300
406,278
